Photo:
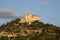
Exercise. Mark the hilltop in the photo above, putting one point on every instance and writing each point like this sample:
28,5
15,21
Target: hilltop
30,27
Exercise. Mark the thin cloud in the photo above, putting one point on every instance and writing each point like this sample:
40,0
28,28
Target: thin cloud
44,3
4,13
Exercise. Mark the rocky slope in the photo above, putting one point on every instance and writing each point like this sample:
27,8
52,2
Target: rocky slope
29,29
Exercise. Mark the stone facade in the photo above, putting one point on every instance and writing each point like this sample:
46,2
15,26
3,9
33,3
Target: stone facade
30,18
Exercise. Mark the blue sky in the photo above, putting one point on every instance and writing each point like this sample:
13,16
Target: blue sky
49,13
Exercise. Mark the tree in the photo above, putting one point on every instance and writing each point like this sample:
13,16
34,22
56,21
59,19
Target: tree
17,20
4,38
36,24
8,30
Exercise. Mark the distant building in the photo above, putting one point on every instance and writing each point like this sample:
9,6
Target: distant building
30,18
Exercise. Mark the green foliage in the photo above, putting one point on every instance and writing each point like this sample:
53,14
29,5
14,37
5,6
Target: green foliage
17,20
7,30
18,38
35,37
49,31
36,24
4,38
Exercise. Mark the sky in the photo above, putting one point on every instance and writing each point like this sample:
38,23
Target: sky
47,10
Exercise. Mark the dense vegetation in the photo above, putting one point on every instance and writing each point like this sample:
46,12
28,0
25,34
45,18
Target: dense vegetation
49,31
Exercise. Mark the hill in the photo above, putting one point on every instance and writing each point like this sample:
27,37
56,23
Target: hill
29,29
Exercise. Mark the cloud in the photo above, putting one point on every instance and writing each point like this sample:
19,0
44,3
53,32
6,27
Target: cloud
5,13
43,3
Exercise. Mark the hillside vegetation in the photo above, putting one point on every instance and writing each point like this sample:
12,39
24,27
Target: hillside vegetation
35,31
